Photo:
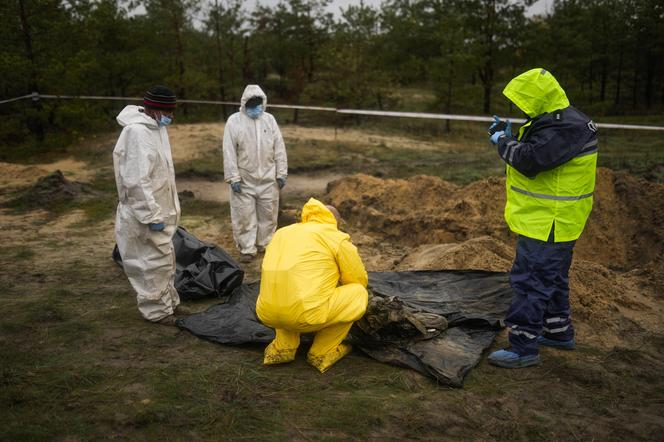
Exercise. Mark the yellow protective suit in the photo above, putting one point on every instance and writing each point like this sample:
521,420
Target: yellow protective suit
313,280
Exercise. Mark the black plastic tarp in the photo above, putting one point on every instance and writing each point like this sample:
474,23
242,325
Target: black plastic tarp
473,302
202,269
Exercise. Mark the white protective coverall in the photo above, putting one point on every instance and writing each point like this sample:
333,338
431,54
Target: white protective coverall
145,179
254,153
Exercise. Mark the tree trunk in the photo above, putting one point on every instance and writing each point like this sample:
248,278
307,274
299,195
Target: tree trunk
635,87
486,72
34,121
635,83
220,58
179,54
591,76
448,99
231,59
603,77
246,64
616,100
650,75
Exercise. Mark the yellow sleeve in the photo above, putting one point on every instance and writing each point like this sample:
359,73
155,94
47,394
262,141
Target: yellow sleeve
350,264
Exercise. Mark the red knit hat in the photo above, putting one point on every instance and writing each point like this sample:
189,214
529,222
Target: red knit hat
159,97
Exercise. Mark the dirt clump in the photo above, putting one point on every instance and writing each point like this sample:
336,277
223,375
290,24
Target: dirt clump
483,253
51,190
421,209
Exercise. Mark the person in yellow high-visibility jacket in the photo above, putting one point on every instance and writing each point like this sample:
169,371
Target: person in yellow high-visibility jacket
313,280
550,183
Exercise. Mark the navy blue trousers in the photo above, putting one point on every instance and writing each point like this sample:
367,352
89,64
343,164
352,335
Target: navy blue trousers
540,306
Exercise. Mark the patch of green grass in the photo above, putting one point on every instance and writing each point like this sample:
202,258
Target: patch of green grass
458,165
97,210
207,167
47,313
313,155
197,207
19,253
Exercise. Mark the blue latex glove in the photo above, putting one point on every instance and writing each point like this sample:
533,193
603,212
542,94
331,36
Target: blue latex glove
157,227
236,187
496,122
495,136
281,182
499,126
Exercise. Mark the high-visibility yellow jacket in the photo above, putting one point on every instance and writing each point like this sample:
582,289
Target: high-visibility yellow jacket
303,265
551,164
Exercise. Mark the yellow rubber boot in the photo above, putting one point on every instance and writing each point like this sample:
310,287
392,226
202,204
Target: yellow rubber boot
324,362
327,347
283,348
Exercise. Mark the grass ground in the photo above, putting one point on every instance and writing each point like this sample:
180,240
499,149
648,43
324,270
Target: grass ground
78,363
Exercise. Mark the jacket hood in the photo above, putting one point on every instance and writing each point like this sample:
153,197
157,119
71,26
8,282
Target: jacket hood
252,90
134,115
536,92
315,212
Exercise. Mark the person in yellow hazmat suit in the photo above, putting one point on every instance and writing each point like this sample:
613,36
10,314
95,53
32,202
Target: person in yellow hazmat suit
313,280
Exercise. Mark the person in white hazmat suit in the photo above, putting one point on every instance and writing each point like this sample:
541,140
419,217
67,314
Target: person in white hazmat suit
256,167
148,210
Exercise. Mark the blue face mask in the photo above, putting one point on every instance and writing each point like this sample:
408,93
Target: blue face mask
255,112
164,120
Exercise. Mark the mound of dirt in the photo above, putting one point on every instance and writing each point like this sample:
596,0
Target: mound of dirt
624,230
421,209
438,225
51,190
483,253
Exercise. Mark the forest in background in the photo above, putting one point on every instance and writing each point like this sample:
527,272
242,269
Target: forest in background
607,54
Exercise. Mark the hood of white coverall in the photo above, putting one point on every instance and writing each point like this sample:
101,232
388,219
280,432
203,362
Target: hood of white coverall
133,115
252,90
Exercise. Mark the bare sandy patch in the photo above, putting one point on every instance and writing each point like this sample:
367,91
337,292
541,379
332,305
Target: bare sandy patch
219,191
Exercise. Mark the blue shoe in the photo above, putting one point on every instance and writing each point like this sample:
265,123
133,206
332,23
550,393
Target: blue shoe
563,345
509,359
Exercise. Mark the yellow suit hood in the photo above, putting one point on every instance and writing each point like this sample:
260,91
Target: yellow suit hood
315,212
536,92
303,265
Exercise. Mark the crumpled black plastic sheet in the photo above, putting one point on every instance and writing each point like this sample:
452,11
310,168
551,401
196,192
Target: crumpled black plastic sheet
202,269
232,323
473,302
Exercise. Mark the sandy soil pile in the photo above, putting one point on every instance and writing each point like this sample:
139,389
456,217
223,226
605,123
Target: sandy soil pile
421,209
616,278
624,231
